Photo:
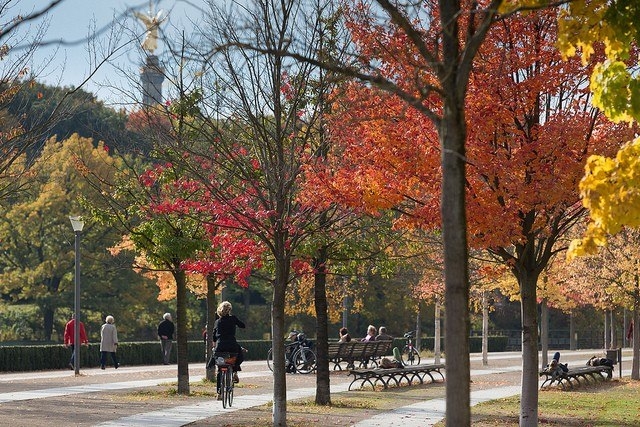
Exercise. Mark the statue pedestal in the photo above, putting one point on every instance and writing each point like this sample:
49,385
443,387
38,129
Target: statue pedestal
151,77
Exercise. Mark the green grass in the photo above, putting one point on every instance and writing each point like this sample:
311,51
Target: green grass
612,404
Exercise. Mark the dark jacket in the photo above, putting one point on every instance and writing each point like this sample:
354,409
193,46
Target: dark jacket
384,337
224,332
166,328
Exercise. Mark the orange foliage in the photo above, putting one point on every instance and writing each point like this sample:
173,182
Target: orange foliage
530,130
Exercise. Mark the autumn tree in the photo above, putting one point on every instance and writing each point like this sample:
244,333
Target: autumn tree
526,103
610,279
37,257
15,78
32,112
256,120
608,187
370,268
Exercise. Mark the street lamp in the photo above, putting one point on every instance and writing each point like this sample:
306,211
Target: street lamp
78,224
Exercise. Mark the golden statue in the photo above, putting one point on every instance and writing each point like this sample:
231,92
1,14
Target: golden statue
152,23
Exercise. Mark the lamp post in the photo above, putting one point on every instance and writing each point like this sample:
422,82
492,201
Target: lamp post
78,224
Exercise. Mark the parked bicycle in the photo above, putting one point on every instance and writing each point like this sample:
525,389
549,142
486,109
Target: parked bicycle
299,357
410,354
225,363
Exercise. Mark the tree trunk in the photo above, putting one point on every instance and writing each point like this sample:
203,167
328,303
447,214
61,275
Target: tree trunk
47,318
181,332
345,308
48,310
635,364
573,344
418,329
606,330
485,329
437,334
212,305
544,332
452,138
614,335
323,392
529,379
279,414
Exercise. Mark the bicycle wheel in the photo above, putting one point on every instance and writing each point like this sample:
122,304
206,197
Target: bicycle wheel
304,360
223,386
228,398
270,359
410,356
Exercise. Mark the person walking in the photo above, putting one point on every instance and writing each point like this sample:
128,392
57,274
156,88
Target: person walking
108,342
166,328
70,338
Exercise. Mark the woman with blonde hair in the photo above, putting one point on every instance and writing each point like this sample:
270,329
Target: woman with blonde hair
224,335
371,334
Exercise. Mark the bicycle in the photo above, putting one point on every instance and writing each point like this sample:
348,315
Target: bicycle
410,355
225,362
304,360
298,357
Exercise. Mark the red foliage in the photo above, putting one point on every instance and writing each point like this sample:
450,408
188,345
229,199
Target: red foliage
231,252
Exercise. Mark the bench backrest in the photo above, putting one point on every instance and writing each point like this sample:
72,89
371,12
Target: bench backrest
358,349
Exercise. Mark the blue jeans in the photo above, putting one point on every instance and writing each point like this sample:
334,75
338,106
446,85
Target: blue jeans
73,355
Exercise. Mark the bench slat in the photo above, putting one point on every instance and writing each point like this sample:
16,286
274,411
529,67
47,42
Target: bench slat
574,376
408,375
357,351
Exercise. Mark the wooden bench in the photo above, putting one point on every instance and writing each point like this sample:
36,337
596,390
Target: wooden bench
362,353
396,376
576,376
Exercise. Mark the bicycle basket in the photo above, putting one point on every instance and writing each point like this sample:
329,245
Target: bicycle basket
225,358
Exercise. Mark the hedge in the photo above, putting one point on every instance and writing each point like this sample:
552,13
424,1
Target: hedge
15,358
19,358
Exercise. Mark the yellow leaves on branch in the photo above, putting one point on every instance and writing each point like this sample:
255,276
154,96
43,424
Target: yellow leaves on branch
615,91
583,24
609,188
611,192
580,25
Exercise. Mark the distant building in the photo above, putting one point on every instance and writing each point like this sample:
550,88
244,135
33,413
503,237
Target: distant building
151,77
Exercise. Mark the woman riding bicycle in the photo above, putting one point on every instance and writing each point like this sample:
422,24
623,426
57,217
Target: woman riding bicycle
224,335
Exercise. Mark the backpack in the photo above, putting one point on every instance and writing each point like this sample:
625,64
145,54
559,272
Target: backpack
600,361
387,363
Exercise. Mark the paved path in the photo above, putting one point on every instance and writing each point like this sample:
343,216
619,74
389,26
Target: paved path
23,394
429,412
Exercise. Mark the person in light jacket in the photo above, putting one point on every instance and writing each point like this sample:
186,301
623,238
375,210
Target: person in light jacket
108,342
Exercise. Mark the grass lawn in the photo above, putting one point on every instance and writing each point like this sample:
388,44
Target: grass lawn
612,403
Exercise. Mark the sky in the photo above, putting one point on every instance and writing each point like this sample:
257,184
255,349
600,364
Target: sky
73,20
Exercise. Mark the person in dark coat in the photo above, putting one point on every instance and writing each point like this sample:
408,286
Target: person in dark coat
224,335
383,335
166,328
